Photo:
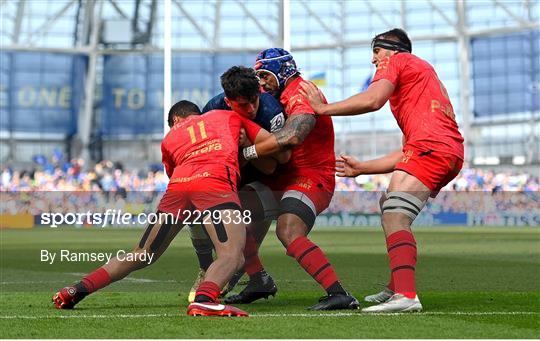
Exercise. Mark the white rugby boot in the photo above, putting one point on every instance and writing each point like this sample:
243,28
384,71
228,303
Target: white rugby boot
398,303
380,297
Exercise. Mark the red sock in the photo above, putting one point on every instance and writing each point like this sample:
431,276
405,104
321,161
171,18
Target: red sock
96,280
252,263
391,285
401,248
208,289
312,259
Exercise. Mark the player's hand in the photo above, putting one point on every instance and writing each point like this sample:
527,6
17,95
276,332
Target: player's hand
348,166
313,95
243,140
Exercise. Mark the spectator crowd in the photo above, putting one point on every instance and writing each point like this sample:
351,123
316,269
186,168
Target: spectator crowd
56,185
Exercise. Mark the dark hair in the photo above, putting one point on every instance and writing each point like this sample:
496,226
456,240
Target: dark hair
182,109
398,34
240,81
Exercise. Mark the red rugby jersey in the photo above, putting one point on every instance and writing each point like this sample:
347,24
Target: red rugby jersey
317,150
206,142
420,104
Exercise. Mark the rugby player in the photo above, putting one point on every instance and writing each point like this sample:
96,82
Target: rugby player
242,94
306,183
432,153
200,152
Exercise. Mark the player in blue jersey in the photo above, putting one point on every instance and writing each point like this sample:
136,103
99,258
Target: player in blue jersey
265,109
243,95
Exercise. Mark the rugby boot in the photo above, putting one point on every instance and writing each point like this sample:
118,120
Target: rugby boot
67,297
336,302
398,303
259,286
214,309
380,297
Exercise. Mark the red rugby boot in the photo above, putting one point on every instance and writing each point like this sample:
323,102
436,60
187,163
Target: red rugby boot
67,297
214,309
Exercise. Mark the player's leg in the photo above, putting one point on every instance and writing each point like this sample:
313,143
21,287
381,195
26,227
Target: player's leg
204,250
260,201
153,243
203,246
229,240
388,290
298,213
260,284
412,183
405,199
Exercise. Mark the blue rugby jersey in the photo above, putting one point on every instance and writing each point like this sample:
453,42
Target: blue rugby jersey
270,115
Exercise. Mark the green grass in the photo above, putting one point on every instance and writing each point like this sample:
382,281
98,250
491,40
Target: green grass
473,283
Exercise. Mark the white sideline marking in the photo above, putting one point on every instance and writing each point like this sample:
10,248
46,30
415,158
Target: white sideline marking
435,313
466,313
81,274
130,279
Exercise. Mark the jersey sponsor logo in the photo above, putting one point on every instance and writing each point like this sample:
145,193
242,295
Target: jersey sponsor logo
216,307
406,156
206,147
447,110
190,178
304,182
277,122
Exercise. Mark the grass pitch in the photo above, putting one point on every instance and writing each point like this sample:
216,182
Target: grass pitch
473,283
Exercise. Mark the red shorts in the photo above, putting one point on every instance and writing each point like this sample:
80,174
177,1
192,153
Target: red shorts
318,186
199,191
433,168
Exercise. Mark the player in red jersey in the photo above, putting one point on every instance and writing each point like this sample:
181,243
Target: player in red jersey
432,153
200,154
306,183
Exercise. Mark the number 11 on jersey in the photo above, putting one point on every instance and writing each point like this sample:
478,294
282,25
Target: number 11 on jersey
202,132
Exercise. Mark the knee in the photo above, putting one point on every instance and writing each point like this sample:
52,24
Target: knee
386,221
395,221
287,234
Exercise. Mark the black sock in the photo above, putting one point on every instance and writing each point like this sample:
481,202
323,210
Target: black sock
203,299
203,248
80,291
335,289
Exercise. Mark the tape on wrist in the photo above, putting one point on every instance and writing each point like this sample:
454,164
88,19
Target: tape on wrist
250,153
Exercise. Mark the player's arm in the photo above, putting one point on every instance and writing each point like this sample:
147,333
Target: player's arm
267,165
295,131
370,100
167,162
348,166
257,134
281,156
